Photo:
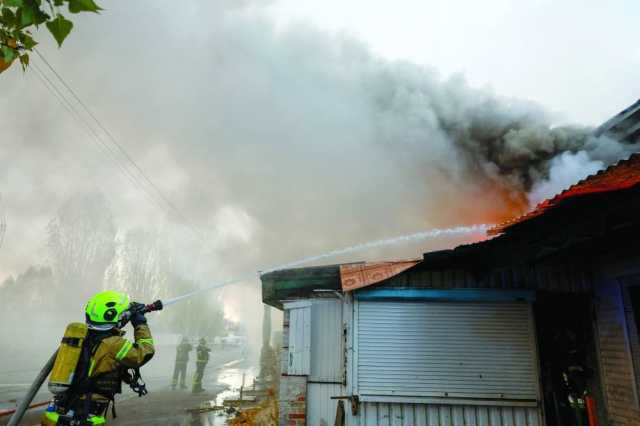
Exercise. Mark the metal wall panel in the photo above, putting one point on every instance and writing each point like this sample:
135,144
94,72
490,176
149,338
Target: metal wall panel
565,278
321,409
615,357
451,350
299,351
327,350
630,283
384,414
284,350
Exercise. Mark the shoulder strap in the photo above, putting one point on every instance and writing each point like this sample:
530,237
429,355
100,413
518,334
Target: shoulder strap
135,382
89,347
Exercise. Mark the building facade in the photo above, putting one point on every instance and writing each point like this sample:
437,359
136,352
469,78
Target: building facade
484,334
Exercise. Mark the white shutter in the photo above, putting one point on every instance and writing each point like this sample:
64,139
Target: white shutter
299,355
449,350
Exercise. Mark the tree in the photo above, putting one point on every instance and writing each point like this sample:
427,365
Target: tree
81,243
144,266
200,316
19,17
141,265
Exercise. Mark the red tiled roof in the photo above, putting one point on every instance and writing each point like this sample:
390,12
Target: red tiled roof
623,175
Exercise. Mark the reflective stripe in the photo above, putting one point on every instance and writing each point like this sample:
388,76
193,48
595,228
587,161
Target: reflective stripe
124,350
97,420
52,415
94,420
93,364
149,341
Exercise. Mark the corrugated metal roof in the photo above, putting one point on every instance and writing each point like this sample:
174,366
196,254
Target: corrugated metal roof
624,126
623,175
357,275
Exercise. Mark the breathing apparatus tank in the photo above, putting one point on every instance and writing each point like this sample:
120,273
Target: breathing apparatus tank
68,356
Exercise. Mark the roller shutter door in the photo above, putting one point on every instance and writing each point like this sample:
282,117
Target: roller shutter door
446,350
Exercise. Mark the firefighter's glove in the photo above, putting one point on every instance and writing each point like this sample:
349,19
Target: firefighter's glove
137,314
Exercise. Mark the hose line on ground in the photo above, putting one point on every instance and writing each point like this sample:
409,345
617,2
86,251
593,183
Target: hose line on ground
33,390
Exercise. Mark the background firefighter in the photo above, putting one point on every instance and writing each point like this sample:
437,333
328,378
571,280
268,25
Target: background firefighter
182,359
202,358
106,360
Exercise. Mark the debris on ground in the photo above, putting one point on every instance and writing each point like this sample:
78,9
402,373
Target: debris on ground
264,413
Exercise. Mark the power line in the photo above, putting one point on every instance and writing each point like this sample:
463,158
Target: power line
105,148
119,147
3,222
72,110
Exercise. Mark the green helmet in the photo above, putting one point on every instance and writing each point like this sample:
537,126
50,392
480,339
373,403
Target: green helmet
104,309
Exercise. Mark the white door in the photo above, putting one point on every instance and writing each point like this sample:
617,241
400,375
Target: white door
299,353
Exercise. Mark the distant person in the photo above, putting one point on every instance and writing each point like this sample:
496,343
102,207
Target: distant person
94,359
202,358
182,359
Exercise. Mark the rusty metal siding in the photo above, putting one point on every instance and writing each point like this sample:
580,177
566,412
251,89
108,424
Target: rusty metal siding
615,358
387,414
326,341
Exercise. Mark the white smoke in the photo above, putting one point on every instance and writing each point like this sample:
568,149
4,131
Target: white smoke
275,143
565,170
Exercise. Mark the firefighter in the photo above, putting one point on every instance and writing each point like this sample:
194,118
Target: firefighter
182,358
202,358
105,360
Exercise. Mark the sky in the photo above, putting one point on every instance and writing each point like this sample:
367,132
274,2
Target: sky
251,115
578,58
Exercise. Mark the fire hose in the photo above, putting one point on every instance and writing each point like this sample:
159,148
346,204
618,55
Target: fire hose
33,390
24,405
44,373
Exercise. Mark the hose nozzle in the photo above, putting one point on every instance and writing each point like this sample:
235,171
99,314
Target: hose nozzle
155,306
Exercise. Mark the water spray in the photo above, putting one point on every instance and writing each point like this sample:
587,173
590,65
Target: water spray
201,290
158,305
403,239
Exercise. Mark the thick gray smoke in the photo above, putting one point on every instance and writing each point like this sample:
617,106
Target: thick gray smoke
275,143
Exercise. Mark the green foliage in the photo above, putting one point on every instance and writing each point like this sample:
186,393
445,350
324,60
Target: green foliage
60,28
77,6
18,17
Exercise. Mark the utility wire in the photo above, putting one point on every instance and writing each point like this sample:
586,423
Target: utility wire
3,222
119,147
53,89
105,148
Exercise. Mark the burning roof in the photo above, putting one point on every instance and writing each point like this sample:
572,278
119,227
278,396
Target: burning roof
623,175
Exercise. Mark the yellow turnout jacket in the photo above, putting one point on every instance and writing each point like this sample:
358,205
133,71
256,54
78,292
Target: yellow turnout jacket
117,351
112,354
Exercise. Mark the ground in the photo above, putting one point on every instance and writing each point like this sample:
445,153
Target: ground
162,406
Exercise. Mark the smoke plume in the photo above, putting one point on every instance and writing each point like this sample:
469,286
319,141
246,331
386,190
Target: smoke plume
275,143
